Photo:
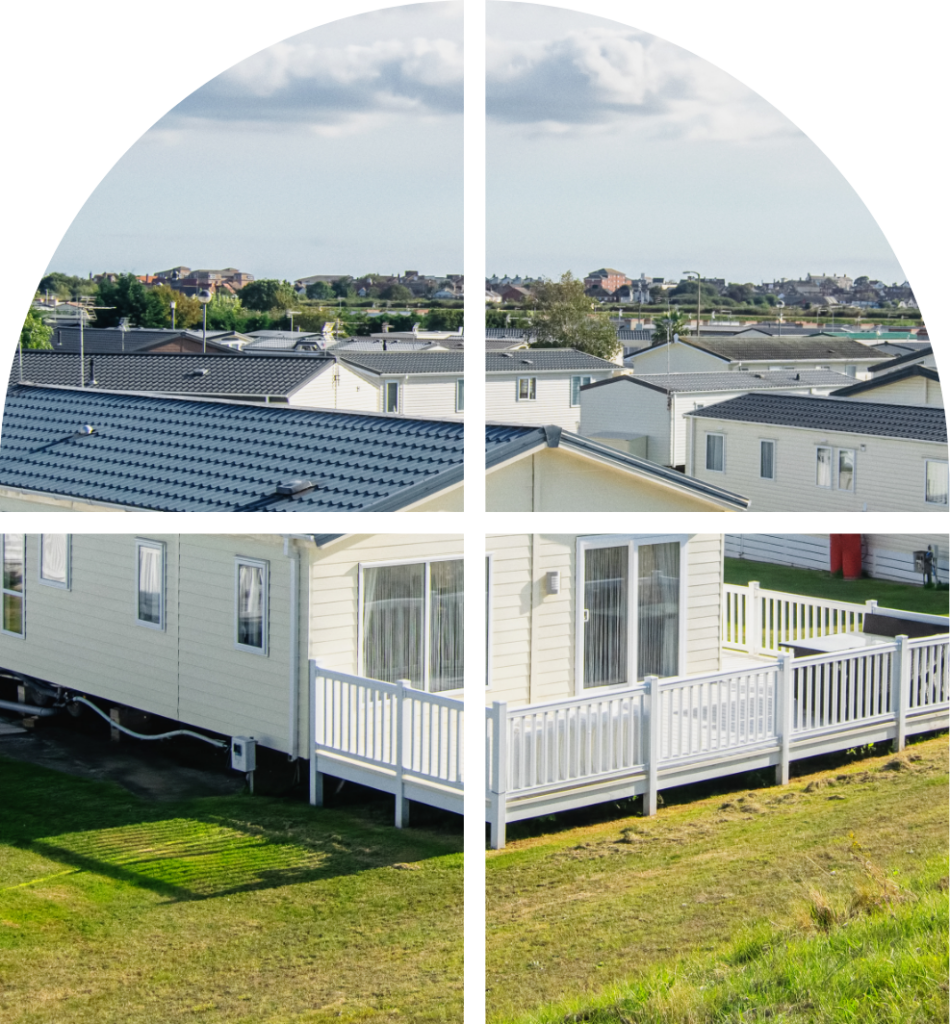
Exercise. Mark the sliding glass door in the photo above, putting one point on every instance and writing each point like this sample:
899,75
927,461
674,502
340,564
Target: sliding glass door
629,633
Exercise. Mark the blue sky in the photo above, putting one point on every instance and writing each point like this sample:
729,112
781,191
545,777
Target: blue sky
618,136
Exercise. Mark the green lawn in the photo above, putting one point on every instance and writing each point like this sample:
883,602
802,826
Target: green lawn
622,919
237,909
813,583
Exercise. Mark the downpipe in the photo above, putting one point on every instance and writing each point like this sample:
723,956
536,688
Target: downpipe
28,709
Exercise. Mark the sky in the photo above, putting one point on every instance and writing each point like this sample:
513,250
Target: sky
653,137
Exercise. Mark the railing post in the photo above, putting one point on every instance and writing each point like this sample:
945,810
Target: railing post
901,683
402,804
754,618
317,709
870,608
785,713
653,746
498,796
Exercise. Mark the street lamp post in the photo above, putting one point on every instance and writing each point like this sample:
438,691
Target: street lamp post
204,297
172,306
699,294
290,313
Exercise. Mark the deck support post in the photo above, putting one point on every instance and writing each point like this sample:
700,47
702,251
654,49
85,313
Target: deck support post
316,733
653,746
754,619
901,684
498,791
785,713
402,804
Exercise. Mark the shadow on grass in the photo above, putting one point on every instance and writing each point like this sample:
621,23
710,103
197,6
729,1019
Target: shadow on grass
202,849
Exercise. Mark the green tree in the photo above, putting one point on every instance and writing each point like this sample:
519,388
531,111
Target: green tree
443,319
564,319
268,294
320,290
128,298
65,286
34,333
343,288
187,308
396,293
665,327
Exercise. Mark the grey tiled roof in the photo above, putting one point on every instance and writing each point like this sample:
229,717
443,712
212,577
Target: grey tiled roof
170,373
734,380
504,333
180,455
818,348
111,339
879,419
909,357
526,360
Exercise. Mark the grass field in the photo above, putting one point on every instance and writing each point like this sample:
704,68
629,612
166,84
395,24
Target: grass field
716,910
234,909
813,583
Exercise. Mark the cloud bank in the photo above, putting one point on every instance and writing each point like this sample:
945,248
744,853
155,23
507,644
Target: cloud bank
537,70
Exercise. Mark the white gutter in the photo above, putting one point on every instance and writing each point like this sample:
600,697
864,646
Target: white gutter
293,709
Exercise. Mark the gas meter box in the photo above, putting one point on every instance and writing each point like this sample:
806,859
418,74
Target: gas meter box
920,561
243,753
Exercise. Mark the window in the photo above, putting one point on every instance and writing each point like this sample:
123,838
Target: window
14,554
460,395
937,483
54,560
251,610
823,467
715,451
851,371
411,621
471,395
527,389
576,384
845,469
391,396
834,467
628,633
767,460
150,585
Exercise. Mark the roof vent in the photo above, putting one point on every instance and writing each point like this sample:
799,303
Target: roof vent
85,431
202,372
508,355
294,488
529,362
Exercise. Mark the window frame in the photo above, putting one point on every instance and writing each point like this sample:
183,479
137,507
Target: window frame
582,380
927,464
460,395
459,384
831,467
772,441
426,615
159,545
387,384
5,593
533,396
45,581
722,452
254,563
854,470
633,542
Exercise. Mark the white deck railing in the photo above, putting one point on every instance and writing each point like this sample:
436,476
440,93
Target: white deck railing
385,735
757,620
551,756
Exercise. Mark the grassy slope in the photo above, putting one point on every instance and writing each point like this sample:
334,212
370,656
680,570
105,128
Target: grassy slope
813,583
230,909
575,913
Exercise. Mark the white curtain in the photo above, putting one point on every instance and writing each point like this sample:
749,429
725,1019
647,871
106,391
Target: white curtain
605,616
13,545
150,584
845,470
393,611
937,482
53,566
446,626
658,610
823,467
251,605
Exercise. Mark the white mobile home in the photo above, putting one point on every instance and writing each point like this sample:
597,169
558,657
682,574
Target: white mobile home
913,385
787,452
649,409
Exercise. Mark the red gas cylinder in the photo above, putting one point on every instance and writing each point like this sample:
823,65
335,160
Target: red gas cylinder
851,555
835,552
